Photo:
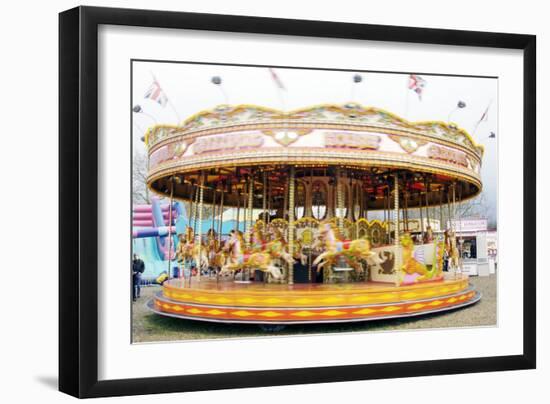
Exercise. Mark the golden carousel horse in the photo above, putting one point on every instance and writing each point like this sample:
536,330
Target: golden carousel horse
411,265
278,246
184,241
188,248
273,243
336,248
216,257
219,259
258,241
298,252
240,260
452,250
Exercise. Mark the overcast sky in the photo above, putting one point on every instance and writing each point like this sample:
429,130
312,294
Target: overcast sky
190,90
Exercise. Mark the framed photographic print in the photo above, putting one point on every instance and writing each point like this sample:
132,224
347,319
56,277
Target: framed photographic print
250,202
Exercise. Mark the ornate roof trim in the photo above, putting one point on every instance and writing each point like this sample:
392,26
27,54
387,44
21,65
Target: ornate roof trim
227,115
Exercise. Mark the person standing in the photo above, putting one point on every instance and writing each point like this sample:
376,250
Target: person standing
138,267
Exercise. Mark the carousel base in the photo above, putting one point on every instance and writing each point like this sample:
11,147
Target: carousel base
259,303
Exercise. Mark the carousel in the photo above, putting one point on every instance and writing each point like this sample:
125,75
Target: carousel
335,206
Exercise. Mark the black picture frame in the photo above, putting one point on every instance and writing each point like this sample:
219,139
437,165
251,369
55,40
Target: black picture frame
78,192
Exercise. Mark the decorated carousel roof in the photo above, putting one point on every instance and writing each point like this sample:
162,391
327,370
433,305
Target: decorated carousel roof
227,116
229,142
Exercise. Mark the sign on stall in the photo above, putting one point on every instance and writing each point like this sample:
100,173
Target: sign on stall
468,225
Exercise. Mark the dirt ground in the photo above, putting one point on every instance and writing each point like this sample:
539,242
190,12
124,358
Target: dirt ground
150,327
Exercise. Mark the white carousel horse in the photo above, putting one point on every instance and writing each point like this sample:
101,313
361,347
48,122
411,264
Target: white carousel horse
239,260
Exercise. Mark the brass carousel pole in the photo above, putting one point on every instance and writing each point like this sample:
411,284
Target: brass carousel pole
264,197
285,200
213,225
386,211
427,205
460,221
248,217
245,211
421,216
199,230
454,204
170,224
220,224
268,203
286,187
197,192
454,226
310,204
356,202
441,209
238,209
192,206
449,209
396,229
384,207
291,222
191,225
264,206
365,200
406,200
339,202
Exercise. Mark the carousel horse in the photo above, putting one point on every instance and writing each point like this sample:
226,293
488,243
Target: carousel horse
180,250
452,250
298,253
429,235
278,246
239,260
219,259
273,243
411,266
182,254
336,248
188,248
258,242
185,240
213,253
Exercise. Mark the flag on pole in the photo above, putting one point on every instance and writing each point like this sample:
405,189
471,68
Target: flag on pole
485,115
156,94
417,84
276,79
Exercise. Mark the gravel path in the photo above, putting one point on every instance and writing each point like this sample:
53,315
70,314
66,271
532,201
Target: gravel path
149,327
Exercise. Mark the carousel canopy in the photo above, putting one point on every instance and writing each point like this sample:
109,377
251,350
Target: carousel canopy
232,145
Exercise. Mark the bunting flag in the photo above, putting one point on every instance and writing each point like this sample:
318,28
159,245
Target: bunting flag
417,84
276,79
156,94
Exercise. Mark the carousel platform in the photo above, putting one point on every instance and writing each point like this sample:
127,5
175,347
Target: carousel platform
261,303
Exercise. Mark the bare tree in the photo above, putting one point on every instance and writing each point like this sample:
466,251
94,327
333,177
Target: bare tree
140,192
477,207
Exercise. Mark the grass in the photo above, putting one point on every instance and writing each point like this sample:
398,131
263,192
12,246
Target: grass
150,327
